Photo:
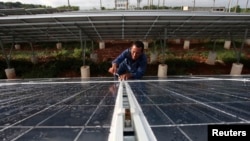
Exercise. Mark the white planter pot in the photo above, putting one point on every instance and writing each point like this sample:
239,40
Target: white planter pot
94,57
153,57
162,70
101,45
186,44
59,45
227,44
10,73
33,59
17,46
236,69
211,58
145,45
85,72
247,42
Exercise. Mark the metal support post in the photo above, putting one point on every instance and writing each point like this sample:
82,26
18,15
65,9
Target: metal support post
82,47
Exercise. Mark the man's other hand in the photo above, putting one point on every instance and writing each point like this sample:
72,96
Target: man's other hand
125,76
113,69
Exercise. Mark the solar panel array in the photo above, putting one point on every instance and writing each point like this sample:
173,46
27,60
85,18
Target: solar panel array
31,11
180,109
55,111
111,25
176,108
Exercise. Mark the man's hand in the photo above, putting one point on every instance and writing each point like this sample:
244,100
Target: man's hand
113,69
125,76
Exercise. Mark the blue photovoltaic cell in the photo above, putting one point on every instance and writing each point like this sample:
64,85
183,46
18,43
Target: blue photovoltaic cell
194,132
180,108
177,108
55,134
63,109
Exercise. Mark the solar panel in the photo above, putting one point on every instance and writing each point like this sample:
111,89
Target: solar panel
55,110
176,108
108,25
181,108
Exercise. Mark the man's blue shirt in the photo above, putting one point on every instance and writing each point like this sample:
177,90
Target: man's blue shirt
126,64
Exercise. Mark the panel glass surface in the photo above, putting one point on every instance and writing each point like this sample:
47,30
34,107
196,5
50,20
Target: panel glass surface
56,109
180,108
177,108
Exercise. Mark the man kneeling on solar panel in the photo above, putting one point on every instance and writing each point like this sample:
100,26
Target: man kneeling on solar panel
131,63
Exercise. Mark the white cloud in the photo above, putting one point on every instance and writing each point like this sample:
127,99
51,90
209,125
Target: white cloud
90,4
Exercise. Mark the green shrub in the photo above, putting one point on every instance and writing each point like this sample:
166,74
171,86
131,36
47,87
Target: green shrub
179,66
61,54
3,66
77,53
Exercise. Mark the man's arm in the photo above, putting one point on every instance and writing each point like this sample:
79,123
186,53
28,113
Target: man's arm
113,69
121,57
117,61
141,68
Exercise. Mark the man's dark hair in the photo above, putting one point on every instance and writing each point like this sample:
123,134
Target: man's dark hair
139,44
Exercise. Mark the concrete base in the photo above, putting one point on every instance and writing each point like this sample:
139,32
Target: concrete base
211,58
59,45
236,69
247,42
10,73
85,72
145,45
177,41
17,46
186,44
101,45
94,57
227,44
153,57
162,70
33,59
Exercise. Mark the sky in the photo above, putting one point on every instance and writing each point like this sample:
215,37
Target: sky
95,4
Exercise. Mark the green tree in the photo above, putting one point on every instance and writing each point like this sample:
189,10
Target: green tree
73,8
236,9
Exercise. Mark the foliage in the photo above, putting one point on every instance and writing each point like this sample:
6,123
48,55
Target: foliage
236,9
215,47
51,69
228,55
155,46
101,68
73,8
54,62
61,54
246,10
9,5
154,7
77,53
179,66
3,66
21,5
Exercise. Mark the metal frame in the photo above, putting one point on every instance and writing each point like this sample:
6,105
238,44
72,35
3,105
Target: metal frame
122,25
136,123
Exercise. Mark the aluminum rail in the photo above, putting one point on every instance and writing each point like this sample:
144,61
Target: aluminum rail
116,129
142,128
129,122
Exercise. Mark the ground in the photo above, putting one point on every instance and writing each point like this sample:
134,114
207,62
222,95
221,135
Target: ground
185,62
200,68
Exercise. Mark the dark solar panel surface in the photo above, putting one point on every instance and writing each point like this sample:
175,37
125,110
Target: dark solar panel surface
177,108
181,108
45,110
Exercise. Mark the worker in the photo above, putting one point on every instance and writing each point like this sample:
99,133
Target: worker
131,63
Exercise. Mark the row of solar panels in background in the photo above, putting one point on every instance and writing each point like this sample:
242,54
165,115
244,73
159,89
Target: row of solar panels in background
32,11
